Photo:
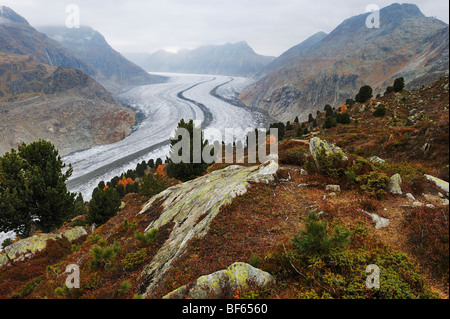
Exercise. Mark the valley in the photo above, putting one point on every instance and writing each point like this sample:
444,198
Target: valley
162,105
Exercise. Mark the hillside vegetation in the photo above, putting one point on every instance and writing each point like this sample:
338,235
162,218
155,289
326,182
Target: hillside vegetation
341,198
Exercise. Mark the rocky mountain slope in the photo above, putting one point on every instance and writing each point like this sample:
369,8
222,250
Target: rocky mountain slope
307,77
236,59
18,37
62,105
48,93
242,231
82,49
115,72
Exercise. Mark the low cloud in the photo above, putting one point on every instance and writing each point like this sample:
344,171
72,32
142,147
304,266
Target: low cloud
269,26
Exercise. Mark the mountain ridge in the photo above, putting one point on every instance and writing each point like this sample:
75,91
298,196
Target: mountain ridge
351,56
87,44
234,59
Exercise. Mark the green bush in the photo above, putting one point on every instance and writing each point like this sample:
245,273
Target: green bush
374,183
380,111
331,165
339,270
294,156
317,239
124,287
28,288
147,238
132,260
103,256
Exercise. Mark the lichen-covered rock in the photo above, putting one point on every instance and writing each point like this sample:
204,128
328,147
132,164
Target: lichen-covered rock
333,188
74,233
3,259
410,197
317,146
233,278
439,182
376,160
395,185
192,206
379,221
29,246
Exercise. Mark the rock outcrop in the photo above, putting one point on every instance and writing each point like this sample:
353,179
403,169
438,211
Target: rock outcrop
233,278
192,206
27,247
443,185
395,185
318,146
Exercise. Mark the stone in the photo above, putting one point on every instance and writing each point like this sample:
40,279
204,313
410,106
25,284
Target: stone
74,233
380,222
303,172
395,185
317,146
191,207
417,204
410,197
443,185
376,160
333,188
28,247
232,279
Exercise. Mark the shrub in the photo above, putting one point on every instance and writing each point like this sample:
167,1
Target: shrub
147,238
317,238
331,165
103,256
124,287
380,111
374,183
293,156
132,260
6,243
28,288
255,261
428,235
389,90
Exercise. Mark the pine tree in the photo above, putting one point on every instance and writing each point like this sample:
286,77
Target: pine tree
399,84
105,203
365,94
187,171
33,190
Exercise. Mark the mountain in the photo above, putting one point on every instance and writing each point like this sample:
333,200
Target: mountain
47,93
18,37
58,104
328,69
116,72
236,59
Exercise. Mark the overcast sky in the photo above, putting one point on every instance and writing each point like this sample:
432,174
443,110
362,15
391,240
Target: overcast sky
269,26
